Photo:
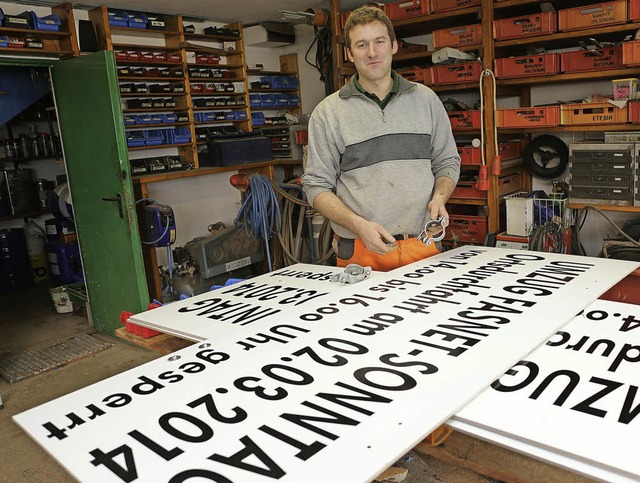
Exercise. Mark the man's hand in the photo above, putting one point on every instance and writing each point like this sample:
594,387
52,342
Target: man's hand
375,237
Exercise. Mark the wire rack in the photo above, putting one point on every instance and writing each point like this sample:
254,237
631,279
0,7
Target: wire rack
545,222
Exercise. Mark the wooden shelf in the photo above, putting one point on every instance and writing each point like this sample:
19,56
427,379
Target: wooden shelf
62,54
571,77
151,94
146,48
134,32
211,37
584,128
158,146
267,91
257,72
147,63
209,50
151,109
427,23
131,127
142,78
154,178
624,209
38,34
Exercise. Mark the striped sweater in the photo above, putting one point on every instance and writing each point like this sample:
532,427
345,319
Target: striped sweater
381,163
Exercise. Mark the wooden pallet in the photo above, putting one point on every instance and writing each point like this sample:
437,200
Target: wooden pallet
162,343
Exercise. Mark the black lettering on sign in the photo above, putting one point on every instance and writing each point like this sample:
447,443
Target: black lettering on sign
164,453
454,351
331,417
198,473
202,431
251,450
586,405
533,371
305,452
361,395
628,353
262,338
389,360
126,473
405,382
263,393
356,299
209,404
392,284
335,345
76,420
630,323
374,324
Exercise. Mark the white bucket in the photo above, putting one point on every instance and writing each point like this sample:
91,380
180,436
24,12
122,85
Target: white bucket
61,300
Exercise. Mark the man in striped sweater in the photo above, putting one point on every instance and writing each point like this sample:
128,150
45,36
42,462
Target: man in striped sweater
382,160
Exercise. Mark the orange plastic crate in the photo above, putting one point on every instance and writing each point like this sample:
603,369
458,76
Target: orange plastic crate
444,5
592,113
464,120
456,73
470,155
509,184
631,52
634,10
525,26
524,117
509,149
595,15
406,9
633,114
457,36
590,60
527,66
468,190
421,75
466,228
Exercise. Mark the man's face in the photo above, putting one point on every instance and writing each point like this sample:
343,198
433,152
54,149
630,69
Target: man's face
371,51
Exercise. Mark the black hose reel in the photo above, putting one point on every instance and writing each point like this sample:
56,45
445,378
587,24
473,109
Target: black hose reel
546,156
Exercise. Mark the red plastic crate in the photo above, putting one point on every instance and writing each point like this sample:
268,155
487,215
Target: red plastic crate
466,228
457,36
590,60
525,26
407,9
633,114
470,155
595,15
416,74
634,10
468,190
524,117
456,73
509,149
464,120
631,52
527,66
444,5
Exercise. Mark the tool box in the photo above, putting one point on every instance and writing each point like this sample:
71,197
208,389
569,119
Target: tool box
589,60
596,15
526,117
538,23
592,113
527,66
464,120
456,73
444,5
457,36
601,173
406,9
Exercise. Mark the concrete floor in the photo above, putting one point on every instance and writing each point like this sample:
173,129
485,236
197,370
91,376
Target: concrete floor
28,319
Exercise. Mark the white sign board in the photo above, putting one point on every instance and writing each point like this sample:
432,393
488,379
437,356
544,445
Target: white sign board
574,401
239,307
350,383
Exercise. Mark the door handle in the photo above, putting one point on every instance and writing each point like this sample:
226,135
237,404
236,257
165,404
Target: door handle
117,199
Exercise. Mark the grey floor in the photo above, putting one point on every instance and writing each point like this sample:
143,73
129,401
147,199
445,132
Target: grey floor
29,320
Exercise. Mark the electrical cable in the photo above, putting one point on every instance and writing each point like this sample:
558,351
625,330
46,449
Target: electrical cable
483,175
582,213
547,238
323,62
260,212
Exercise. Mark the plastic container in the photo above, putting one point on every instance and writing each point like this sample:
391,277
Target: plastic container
444,5
631,52
625,89
61,300
465,72
466,228
596,15
538,23
464,120
589,60
457,36
470,155
50,22
592,113
527,66
64,262
406,9
524,117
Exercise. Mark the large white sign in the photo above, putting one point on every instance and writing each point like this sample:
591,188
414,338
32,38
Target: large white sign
349,383
574,401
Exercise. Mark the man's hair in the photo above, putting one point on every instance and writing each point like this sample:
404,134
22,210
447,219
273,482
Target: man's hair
363,16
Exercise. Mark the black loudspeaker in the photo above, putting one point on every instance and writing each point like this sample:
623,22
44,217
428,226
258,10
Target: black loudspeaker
87,36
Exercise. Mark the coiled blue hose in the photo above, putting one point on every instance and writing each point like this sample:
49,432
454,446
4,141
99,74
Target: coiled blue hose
260,212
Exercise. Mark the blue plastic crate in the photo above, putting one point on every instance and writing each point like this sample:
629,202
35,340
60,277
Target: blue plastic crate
269,79
156,118
137,20
257,118
135,139
153,137
2,22
118,18
255,100
169,117
50,22
267,100
4,41
128,120
178,135
292,82
280,82
280,100
293,100
143,119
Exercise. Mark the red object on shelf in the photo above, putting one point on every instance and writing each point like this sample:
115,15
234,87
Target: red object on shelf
462,73
239,181
590,60
524,117
464,120
466,228
470,155
527,66
468,190
509,149
538,23
444,5
143,332
406,9
634,10
595,15
634,112
631,52
458,36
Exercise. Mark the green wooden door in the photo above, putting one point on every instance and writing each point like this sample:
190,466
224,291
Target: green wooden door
95,150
